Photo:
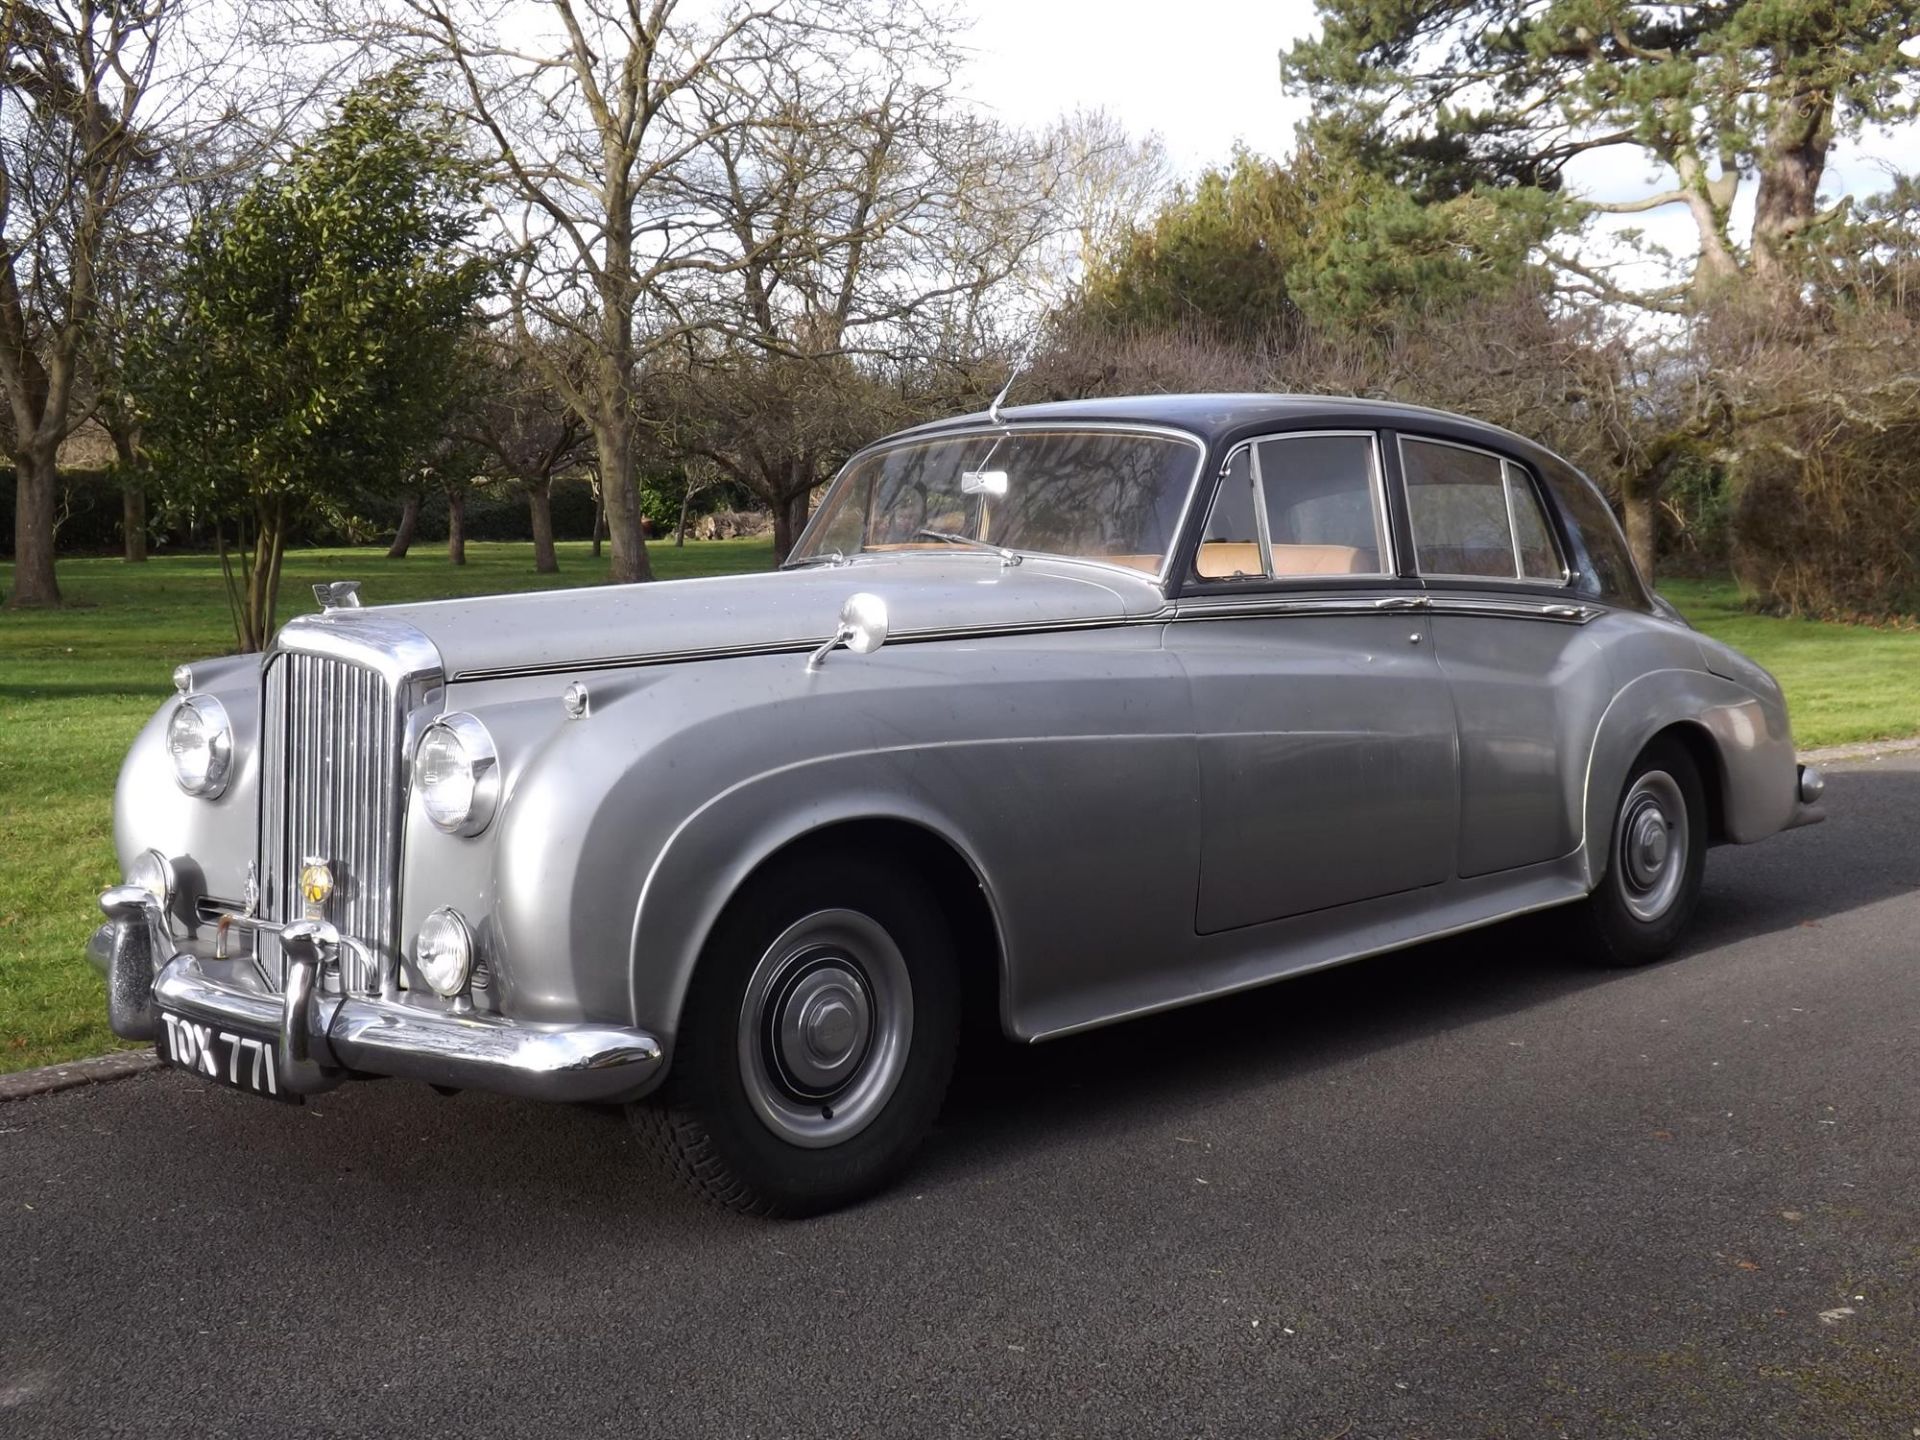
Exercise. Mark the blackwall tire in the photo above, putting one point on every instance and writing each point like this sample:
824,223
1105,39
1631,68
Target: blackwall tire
817,1040
1655,862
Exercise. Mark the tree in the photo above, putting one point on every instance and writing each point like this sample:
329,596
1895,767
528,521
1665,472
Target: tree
1447,95
112,116
1257,248
313,351
587,118
1105,181
874,218
76,79
531,433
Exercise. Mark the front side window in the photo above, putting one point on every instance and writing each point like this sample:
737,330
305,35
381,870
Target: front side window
1475,514
1293,507
1108,495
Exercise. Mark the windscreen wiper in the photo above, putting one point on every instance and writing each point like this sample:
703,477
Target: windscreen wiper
1008,558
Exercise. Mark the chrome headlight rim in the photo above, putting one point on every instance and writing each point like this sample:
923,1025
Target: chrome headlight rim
447,985
213,718
153,872
483,770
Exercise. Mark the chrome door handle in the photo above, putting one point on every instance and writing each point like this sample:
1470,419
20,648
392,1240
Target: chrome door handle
1403,602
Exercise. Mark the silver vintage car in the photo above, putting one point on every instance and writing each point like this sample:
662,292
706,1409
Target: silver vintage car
1057,716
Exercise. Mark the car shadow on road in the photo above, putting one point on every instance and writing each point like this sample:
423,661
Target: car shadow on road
503,1160
1867,851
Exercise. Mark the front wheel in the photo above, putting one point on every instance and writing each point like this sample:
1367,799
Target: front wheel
1656,859
816,1042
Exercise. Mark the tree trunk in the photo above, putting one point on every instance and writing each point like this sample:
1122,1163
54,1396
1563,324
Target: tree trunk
540,505
259,580
1791,167
599,519
409,522
36,493
457,526
620,497
1639,516
133,493
789,519
133,523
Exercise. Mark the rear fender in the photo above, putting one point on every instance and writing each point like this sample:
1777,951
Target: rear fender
1749,738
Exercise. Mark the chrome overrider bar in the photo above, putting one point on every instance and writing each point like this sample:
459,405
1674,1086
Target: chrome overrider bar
326,1039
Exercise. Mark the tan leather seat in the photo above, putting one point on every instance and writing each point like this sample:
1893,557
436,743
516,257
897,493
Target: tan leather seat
1225,559
1321,560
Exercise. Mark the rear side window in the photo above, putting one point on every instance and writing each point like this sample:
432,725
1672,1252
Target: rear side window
1603,549
1475,514
1294,507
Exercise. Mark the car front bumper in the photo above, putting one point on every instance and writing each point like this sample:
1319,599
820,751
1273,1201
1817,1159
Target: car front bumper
328,1038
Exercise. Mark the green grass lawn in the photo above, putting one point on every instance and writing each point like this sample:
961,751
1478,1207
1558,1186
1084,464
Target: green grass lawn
1843,682
76,683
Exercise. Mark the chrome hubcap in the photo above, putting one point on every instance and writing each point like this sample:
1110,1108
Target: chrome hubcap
1650,845
825,1027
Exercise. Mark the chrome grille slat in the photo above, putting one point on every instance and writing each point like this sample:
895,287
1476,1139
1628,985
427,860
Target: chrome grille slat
333,785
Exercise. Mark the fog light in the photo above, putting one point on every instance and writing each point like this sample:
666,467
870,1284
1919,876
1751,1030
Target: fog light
1812,784
444,951
152,872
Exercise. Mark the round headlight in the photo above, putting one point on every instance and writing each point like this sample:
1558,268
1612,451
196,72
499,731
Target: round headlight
200,741
458,774
443,951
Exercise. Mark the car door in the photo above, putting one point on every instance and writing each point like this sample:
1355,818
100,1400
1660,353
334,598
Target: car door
1324,727
1510,641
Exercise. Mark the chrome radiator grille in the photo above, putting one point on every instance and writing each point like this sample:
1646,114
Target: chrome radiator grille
332,787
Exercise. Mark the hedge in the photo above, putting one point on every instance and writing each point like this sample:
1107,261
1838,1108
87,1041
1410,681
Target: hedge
92,502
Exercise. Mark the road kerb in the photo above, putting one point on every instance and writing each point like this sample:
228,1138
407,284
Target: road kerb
1865,750
116,1065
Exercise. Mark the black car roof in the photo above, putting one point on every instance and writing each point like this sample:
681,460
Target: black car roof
1216,418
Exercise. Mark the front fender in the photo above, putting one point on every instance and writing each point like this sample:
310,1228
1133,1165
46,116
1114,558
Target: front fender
214,838
714,851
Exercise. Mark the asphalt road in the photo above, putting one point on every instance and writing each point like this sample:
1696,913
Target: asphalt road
1469,1190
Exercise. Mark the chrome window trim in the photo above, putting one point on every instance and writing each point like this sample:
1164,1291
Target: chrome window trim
1382,522
1046,427
1262,526
1514,472
1507,469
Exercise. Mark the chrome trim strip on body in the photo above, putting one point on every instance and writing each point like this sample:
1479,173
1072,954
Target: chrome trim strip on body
1514,609
1205,607
807,646
1040,427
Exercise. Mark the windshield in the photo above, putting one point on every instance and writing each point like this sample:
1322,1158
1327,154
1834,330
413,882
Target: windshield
1109,495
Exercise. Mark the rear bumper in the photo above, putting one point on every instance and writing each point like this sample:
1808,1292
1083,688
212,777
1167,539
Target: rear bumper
1810,787
326,1039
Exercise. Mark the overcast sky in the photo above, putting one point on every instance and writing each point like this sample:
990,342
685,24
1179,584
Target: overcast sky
1205,73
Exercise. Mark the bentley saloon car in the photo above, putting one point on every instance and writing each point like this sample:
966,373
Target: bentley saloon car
1055,717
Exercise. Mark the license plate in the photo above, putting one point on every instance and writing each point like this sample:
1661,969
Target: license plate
235,1058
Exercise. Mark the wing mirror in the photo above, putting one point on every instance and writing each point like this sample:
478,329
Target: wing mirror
863,628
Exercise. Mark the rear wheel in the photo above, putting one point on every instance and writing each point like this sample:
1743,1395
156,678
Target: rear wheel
816,1042
1656,859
